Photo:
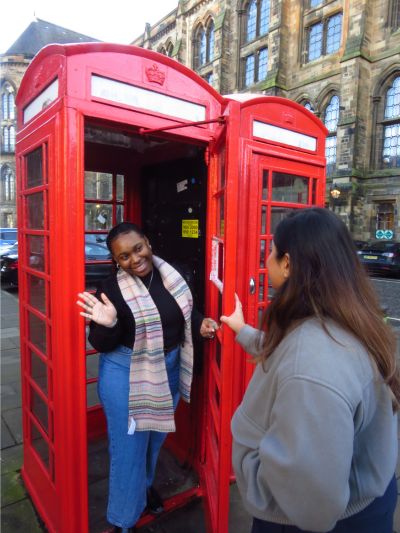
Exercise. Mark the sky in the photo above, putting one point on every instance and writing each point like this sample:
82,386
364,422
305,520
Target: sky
118,21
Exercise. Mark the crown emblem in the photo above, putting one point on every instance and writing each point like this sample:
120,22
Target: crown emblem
288,117
155,75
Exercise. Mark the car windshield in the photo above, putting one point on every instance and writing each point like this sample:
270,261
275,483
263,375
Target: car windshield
381,246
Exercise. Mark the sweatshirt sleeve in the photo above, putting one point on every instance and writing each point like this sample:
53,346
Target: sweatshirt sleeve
303,460
249,339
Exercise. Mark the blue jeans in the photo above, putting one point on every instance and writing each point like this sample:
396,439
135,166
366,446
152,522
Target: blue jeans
377,517
133,458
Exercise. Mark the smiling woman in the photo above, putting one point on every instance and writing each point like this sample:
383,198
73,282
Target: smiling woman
142,323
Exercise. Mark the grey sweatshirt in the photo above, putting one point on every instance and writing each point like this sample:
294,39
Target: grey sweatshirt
315,438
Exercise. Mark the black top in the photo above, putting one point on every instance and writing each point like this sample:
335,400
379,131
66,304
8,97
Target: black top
105,339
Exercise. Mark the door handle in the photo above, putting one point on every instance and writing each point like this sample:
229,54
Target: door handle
252,285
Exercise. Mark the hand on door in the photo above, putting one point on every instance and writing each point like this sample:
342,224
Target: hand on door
208,328
236,320
102,312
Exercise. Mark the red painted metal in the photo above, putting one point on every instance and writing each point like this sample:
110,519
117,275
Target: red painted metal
57,422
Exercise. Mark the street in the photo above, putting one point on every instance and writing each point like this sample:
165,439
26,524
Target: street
388,291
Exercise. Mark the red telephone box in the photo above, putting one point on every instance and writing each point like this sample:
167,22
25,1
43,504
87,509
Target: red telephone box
110,133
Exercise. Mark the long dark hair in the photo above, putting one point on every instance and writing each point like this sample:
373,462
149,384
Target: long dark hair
327,281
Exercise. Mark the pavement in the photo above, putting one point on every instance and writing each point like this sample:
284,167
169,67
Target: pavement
17,511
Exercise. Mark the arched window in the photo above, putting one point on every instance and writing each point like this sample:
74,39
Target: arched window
308,105
331,119
391,126
7,102
257,19
203,45
7,184
9,139
169,49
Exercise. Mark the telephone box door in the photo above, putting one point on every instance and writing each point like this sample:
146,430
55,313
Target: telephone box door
277,186
221,276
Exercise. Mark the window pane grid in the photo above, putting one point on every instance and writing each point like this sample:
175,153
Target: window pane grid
315,41
332,114
251,21
392,108
210,42
391,146
262,64
249,71
264,16
334,33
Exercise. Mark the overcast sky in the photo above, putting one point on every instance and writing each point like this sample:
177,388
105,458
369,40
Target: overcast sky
118,21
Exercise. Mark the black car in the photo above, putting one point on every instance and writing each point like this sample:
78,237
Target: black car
381,257
9,267
97,257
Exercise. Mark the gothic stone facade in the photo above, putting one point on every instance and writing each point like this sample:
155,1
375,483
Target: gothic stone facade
13,68
340,58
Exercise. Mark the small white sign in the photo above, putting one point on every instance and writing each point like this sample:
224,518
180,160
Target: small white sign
182,185
284,136
42,101
123,93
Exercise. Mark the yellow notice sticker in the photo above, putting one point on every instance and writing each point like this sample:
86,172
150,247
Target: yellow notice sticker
190,229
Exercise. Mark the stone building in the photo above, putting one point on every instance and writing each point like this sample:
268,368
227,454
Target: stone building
339,58
13,64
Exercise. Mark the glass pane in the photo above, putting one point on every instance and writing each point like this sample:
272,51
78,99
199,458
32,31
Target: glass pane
265,185
39,409
88,345
92,398
98,185
221,225
40,445
249,71
120,187
34,165
264,16
98,217
262,64
334,34
278,214
37,293
263,219
392,106
222,170
251,20
35,250
289,188
92,366
262,254
261,287
119,214
37,332
315,41
35,211
39,372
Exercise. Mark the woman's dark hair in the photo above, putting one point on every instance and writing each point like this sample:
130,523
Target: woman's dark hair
327,281
123,227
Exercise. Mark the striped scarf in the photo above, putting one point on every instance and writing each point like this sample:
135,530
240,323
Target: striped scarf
150,400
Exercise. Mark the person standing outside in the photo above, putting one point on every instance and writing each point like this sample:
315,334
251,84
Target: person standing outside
315,437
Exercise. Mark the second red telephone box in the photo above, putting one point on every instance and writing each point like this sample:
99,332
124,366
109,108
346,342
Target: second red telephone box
110,133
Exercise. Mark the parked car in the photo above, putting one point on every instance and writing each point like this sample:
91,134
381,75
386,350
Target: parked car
9,266
381,257
8,237
94,269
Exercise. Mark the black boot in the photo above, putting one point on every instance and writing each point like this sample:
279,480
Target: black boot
154,502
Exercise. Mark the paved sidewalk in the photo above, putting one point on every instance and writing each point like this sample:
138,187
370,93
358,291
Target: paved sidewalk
17,511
